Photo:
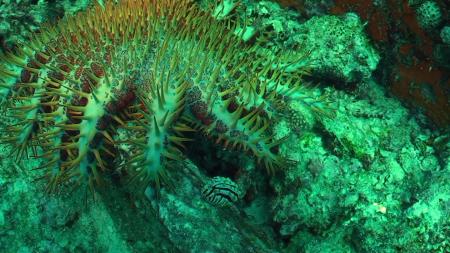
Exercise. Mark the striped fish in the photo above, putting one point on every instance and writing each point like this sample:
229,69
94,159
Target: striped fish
222,192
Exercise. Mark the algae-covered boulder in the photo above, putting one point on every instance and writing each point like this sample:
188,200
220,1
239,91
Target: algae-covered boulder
339,48
371,179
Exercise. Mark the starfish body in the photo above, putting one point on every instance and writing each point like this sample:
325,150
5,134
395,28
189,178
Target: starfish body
133,78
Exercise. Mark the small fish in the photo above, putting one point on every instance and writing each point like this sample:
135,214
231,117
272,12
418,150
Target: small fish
221,191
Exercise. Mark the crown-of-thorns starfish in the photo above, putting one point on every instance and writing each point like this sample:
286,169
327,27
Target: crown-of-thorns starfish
133,78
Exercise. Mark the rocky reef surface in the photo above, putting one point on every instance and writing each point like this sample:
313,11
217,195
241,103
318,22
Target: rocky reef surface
374,177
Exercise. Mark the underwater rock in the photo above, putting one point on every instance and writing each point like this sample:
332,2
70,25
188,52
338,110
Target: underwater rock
32,221
339,48
187,215
18,19
356,178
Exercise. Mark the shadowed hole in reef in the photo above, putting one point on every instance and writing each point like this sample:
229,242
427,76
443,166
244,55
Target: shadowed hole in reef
213,158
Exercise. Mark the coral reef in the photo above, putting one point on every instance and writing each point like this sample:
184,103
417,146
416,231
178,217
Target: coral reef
176,104
21,18
445,34
18,19
367,181
339,48
429,14
308,8
417,60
